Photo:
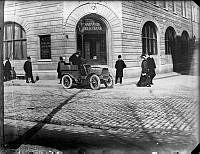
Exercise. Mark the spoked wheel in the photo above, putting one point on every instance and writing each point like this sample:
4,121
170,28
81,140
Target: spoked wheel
109,82
67,81
94,82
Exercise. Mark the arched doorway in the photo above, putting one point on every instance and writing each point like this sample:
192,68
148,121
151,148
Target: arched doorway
182,48
184,52
91,39
170,45
185,44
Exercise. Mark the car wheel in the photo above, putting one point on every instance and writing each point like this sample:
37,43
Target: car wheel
94,82
109,82
67,81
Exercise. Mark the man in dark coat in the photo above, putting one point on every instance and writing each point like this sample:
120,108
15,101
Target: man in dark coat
76,59
58,69
28,70
152,66
7,70
145,77
119,65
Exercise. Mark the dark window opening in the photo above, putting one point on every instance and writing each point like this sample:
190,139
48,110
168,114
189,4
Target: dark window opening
14,43
45,47
169,41
149,39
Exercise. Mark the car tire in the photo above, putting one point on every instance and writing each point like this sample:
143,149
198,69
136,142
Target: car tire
94,82
67,81
109,83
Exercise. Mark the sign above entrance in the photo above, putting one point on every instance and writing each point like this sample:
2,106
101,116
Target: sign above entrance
89,25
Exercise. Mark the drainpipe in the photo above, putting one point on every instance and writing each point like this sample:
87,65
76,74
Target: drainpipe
1,78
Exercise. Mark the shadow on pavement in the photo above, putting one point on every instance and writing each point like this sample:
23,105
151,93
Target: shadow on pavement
31,132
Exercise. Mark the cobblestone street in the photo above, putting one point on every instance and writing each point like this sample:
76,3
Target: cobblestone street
164,114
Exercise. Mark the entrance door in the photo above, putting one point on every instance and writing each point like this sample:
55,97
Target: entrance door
91,39
94,49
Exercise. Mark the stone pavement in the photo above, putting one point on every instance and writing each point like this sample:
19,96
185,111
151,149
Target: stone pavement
163,115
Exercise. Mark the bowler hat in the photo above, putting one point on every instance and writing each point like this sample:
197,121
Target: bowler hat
143,55
28,57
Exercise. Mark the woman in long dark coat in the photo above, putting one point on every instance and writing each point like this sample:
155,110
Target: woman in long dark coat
119,65
144,78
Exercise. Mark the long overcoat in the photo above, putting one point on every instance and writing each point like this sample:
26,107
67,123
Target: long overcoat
28,68
58,69
151,65
119,65
144,66
7,70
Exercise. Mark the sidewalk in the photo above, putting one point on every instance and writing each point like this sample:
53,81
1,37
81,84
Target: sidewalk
126,81
158,76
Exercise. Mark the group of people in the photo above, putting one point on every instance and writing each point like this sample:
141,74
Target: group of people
148,67
27,68
148,71
74,59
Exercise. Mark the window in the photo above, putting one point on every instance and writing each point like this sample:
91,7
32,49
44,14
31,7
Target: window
154,2
45,47
185,43
184,8
14,44
169,41
194,14
149,38
164,4
174,6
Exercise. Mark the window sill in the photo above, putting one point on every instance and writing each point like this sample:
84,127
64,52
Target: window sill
156,5
44,60
166,9
185,17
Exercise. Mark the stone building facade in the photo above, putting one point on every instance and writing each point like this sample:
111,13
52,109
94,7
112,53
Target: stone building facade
46,30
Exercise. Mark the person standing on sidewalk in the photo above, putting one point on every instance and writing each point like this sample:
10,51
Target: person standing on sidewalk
119,65
144,77
59,70
28,70
7,70
152,66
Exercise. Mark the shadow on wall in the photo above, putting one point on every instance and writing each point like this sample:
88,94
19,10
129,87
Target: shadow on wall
185,57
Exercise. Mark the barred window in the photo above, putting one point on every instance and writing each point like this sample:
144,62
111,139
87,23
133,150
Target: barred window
149,38
184,8
174,6
169,41
164,4
45,46
14,44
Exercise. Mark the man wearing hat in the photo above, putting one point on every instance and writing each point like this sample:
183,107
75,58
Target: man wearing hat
119,65
152,66
28,70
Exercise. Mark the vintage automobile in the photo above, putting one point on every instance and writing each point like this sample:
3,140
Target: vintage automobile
87,75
